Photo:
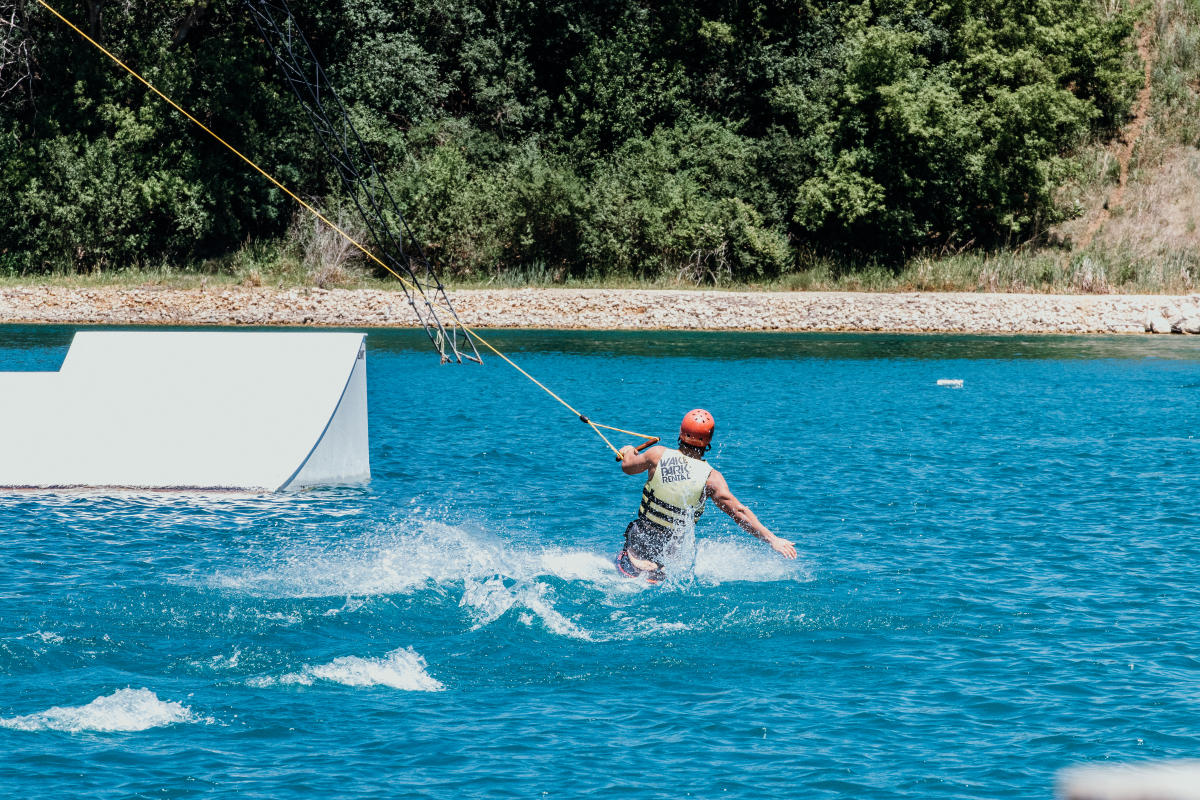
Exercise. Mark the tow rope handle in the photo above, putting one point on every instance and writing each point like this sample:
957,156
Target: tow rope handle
596,426
653,440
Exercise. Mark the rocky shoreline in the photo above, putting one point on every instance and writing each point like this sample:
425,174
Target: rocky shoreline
612,309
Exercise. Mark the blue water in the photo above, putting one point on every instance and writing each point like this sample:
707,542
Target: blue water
994,583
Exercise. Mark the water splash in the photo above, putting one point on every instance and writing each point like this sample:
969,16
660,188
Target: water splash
428,554
563,591
125,710
721,561
393,562
402,668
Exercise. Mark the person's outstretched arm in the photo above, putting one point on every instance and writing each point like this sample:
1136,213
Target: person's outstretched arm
718,490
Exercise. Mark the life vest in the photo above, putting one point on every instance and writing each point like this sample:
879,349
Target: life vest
674,494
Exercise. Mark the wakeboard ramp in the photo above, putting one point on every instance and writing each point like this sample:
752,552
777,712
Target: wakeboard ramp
252,411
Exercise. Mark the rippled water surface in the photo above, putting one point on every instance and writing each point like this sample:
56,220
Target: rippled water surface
994,582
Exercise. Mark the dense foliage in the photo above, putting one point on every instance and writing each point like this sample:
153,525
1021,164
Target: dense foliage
704,138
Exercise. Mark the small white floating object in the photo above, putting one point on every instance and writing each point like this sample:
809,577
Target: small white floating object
953,383
190,410
1161,780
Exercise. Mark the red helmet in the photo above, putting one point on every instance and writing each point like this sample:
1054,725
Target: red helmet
697,428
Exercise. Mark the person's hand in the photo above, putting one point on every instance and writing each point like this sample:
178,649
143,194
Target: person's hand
628,451
783,547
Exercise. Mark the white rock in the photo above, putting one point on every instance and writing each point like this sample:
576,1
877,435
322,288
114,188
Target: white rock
1158,323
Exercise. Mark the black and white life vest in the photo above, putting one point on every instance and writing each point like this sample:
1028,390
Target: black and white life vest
674,494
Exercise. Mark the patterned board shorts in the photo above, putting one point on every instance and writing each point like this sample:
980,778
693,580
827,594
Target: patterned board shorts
631,570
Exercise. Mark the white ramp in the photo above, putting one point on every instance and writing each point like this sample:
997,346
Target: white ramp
194,410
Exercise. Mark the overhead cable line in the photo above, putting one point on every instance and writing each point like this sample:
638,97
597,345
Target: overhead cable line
408,284
365,187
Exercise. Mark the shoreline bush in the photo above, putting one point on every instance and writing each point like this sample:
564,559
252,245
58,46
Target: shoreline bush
709,142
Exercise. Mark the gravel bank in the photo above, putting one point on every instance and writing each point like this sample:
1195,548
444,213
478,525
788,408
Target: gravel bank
599,309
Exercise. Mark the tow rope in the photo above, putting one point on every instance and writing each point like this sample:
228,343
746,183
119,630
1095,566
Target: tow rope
595,426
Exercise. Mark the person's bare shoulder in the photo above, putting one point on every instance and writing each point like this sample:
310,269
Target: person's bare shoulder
716,486
655,454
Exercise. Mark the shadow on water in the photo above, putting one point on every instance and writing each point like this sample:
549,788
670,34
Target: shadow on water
44,346
722,346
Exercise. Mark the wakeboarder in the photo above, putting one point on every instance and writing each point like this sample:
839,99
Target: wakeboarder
673,498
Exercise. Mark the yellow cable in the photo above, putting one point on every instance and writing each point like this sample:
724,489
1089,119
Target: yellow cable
595,427
231,148
622,430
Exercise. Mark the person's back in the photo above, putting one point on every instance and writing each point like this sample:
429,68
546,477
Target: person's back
673,498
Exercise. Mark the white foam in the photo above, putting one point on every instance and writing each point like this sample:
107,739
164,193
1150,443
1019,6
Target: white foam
638,626
537,599
351,605
220,661
402,668
124,710
489,600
